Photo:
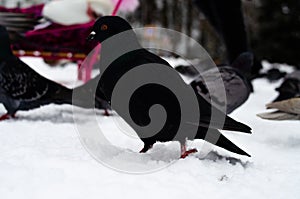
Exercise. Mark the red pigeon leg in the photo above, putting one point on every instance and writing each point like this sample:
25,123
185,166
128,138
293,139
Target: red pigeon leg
7,117
106,113
185,153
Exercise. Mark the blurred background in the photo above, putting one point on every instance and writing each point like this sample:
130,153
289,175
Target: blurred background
42,147
273,26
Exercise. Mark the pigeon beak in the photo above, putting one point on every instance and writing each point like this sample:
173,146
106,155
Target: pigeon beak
91,36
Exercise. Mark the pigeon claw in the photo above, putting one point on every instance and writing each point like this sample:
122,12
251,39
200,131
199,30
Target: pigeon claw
106,113
7,117
185,153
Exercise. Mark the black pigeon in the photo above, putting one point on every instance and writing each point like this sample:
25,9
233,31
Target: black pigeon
150,94
21,88
290,87
274,74
237,87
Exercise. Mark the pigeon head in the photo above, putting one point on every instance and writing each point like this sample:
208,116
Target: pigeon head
5,50
108,26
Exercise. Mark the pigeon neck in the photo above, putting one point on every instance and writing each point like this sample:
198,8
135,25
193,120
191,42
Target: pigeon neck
121,43
116,47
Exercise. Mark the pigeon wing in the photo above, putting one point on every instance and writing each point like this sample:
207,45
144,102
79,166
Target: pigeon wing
21,82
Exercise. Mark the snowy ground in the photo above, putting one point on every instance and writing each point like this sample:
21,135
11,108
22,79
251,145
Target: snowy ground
41,156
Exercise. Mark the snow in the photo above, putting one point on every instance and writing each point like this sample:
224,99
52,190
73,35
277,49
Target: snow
42,156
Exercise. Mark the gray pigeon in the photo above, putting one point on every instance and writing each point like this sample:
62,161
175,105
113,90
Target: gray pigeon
237,87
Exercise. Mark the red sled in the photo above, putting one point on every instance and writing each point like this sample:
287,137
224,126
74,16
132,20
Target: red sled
53,42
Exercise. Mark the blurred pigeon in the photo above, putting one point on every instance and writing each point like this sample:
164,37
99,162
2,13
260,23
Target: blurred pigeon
21,88
290,87
237,87
274,74
151,94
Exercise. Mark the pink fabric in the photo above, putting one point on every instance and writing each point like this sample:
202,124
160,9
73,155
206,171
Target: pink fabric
58,38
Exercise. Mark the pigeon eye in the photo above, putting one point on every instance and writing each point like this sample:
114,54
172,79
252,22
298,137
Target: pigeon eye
104,27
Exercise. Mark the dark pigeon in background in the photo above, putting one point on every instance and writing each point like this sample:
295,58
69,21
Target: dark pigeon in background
290,87
273,74
21,88
151,94
237,87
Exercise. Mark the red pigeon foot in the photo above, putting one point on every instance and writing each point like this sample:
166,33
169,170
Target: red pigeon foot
185,153
7,117
106,113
